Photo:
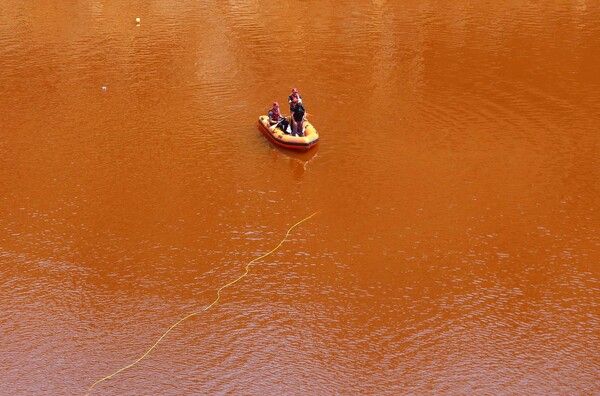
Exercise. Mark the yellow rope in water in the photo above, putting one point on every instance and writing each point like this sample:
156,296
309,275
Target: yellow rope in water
202,310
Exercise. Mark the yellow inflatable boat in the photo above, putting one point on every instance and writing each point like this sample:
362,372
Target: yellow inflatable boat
285,140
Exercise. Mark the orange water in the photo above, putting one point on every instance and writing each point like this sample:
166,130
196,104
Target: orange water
457,178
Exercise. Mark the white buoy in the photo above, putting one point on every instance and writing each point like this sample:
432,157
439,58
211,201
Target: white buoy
138,20
104,87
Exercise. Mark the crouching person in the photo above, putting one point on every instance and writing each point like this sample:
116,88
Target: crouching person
276,119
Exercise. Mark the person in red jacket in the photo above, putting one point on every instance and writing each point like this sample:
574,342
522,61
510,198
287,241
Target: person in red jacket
276,119
296,95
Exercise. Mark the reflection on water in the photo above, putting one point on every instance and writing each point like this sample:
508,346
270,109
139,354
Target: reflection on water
297,162
457,177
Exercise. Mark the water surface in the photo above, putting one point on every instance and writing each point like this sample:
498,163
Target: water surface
457,178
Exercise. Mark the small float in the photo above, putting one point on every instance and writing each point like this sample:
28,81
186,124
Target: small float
285,140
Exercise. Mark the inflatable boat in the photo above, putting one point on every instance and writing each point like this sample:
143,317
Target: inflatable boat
286,140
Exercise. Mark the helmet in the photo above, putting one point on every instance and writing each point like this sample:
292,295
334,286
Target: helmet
295,100
294,90
275,104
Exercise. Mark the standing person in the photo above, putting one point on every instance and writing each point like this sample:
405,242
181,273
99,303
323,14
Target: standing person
297,118
276,119
296,95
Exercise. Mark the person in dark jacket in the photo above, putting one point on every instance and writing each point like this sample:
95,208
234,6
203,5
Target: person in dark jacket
298,113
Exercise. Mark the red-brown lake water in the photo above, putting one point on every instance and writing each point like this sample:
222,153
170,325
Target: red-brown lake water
456,249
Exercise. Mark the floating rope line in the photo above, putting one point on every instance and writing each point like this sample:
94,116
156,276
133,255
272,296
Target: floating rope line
202,310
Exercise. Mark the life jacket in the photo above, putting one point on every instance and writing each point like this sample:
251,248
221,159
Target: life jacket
276,114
